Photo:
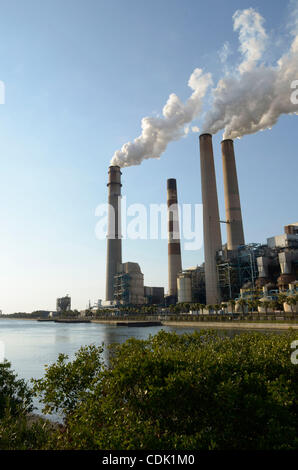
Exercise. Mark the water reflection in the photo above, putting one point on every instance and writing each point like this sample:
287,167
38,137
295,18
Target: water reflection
29,345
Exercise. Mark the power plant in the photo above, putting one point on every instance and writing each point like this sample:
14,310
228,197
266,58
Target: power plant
174,248
114,242
228,270
235,235
211,223
124,281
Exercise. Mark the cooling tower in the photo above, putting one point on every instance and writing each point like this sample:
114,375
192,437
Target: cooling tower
212,234
174,249
235,236
114,244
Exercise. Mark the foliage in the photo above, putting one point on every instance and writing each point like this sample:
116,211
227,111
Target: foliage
65,383
22,433
18,429
15,395
191,391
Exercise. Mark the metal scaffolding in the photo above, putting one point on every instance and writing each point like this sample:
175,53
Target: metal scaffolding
239,268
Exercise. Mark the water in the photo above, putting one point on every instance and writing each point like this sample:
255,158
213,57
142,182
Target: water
29,345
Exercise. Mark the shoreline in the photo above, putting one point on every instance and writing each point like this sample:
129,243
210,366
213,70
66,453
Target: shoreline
205,324
227,325
191,324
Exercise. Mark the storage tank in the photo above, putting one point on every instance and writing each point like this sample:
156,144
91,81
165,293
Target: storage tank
184,288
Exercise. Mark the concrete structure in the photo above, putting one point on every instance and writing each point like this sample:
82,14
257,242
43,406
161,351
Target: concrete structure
129,285
154,295
184,288
174,249
235,235
292,229
63,304
114,243
279,263
191,285
212,234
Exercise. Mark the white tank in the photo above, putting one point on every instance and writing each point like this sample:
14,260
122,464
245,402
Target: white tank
184,289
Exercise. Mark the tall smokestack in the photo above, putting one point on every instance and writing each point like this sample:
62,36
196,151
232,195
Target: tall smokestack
174,249
235,235
114,243
212,234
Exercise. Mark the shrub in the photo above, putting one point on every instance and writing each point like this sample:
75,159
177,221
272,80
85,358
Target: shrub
15,395
191,391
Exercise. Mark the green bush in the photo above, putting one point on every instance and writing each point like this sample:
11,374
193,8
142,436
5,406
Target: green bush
15,395
18,429
24,433
191,391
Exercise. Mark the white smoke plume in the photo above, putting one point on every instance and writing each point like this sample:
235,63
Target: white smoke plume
157,132
252,37
255,96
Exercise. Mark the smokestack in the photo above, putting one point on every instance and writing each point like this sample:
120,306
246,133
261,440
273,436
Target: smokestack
235,235
174,249
114,243
212,234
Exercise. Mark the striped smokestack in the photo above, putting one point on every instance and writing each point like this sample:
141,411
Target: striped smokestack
114,243
235,235
212,234
174,249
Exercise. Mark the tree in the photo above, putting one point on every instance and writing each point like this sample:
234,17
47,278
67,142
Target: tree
243,304
15,395
210,308
65,383
274,305
265,304
232,302
192,391
291,301
202,307
251,305
216,308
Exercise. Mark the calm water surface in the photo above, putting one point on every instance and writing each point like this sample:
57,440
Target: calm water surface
29,345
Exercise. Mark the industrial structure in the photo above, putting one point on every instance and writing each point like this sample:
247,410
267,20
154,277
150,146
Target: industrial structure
63,304
228,269
129,285
191,285
212,233
235,235
174,249
154,295
114,242
279,262
124,281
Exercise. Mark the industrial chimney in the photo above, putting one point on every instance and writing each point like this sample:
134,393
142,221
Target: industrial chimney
235,235
174,249
114,243
212,234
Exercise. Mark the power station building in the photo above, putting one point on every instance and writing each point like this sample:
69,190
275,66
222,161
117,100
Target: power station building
191,285
231,266
226,269
63,304
124,281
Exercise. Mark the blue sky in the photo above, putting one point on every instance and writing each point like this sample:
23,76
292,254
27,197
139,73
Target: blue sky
79,77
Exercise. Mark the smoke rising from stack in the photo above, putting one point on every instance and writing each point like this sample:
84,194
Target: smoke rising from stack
249,98
157,132
253,98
